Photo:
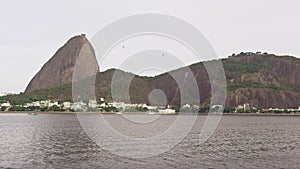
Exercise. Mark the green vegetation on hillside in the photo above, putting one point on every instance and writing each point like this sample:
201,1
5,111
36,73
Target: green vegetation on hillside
252,72
62,93
236,69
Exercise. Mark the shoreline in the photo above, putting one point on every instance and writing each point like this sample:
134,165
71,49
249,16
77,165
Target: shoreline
147,113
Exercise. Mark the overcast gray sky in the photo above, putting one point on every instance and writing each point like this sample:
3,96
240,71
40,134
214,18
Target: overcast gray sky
32,30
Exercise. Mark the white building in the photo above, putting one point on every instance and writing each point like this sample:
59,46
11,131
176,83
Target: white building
66,105
217,108
246,106
118,105
103,105
28,105
7,104
53,104
186,106
239,107
78,105
36,104
151,108
92,103
167,111
45,103
33,104
143,105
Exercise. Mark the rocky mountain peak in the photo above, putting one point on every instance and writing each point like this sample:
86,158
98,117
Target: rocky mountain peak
59,69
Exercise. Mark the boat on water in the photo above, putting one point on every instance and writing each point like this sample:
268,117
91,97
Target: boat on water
32,114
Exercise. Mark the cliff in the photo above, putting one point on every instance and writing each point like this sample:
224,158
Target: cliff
59,69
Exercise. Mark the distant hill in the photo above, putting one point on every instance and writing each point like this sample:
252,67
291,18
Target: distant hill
263,80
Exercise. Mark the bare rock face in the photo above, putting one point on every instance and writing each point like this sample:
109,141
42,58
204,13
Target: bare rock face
263,80
60,68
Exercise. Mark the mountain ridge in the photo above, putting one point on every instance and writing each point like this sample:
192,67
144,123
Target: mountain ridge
260,79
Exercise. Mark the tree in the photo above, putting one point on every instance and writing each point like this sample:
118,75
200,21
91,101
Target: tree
3,108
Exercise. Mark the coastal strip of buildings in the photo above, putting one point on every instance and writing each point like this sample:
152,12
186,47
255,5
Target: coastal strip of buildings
80,106
102,106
